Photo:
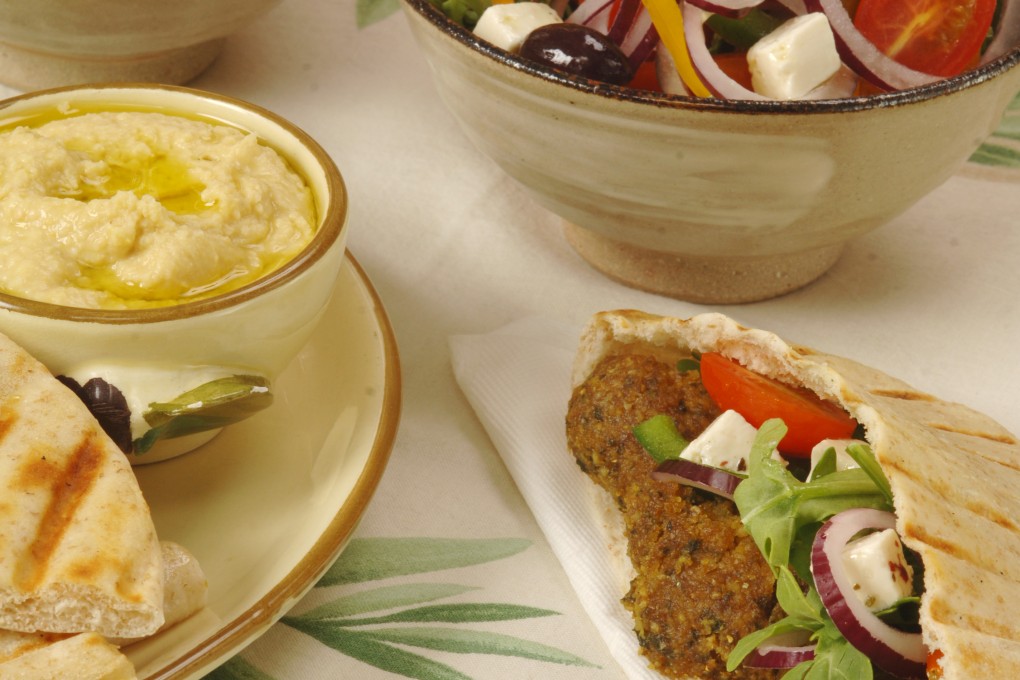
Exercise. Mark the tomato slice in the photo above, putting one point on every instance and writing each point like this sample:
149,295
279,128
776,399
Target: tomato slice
933,668
809,419
940,37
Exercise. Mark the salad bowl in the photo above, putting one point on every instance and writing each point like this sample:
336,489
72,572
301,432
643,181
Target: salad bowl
709,200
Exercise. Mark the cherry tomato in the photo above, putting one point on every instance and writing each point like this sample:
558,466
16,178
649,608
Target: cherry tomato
645,78
933,668
757,398
940,37
734,64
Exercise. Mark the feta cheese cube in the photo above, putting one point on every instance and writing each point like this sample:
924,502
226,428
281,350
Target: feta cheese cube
878,569
507,25
795,58
843,459
725,443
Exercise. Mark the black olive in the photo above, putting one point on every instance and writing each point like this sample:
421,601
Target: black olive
108,405
578,50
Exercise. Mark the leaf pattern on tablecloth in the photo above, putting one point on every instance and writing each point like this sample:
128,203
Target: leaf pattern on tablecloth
237,669
377,626
368,12
1002,149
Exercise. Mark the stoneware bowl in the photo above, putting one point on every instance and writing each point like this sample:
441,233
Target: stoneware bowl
51,43
707,200
224,351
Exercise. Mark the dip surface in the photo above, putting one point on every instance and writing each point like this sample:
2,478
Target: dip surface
127,209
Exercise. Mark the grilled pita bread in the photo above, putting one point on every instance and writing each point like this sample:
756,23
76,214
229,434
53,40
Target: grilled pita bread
185,588
955,474
185,594
85,656
78,550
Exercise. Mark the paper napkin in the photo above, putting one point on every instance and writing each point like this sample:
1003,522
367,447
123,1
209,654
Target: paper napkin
517,380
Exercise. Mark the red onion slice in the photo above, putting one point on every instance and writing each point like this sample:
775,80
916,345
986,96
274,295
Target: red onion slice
641,39
862,56
630,27
705,477
1007,34
782,651
593,13
624,18
902,654
728,8
714,78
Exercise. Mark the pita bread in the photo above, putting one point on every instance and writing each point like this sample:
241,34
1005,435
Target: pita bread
185,594
78,550
85,656
185,588
955,474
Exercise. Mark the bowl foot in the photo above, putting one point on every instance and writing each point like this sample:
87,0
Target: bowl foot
27,69
702,279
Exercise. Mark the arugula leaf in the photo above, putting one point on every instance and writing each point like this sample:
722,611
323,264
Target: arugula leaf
837,659
464,12
904,614
693,363
826,464
863,456
775,506
783,515
804,613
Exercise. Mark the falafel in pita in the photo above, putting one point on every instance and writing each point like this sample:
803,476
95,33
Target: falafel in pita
953,474
78,549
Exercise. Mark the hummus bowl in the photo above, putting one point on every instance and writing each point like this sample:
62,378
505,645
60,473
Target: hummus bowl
167,378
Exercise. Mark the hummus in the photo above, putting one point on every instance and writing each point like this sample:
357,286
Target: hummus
131,209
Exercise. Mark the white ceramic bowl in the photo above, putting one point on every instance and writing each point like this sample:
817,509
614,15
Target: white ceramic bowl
51,43
708,200
155,354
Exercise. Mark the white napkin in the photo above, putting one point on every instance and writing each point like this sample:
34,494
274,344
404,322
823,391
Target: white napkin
518,382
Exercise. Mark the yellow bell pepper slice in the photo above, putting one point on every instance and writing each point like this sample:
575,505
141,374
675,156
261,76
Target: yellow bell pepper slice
669,23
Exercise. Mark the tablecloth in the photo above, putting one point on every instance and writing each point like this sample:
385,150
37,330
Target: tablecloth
456,248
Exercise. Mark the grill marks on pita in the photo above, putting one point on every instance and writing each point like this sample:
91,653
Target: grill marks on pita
66,485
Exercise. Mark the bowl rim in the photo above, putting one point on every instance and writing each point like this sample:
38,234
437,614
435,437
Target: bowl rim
1005,62
332,222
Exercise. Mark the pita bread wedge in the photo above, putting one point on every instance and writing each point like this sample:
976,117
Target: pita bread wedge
185,594
78,550
185,588
954,473
85,656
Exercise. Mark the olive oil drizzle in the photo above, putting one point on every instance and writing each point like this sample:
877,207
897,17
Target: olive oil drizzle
169,181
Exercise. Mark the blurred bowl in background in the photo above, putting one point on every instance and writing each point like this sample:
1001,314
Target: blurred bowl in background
52,43
709,200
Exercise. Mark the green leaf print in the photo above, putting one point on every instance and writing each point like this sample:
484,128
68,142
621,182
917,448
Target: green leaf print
237,669
444,613
377,626
387,597
388,658
1002,148
376,559
474,642
368,12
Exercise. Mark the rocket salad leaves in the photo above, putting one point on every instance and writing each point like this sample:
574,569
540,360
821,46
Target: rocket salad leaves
777,508
782,515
